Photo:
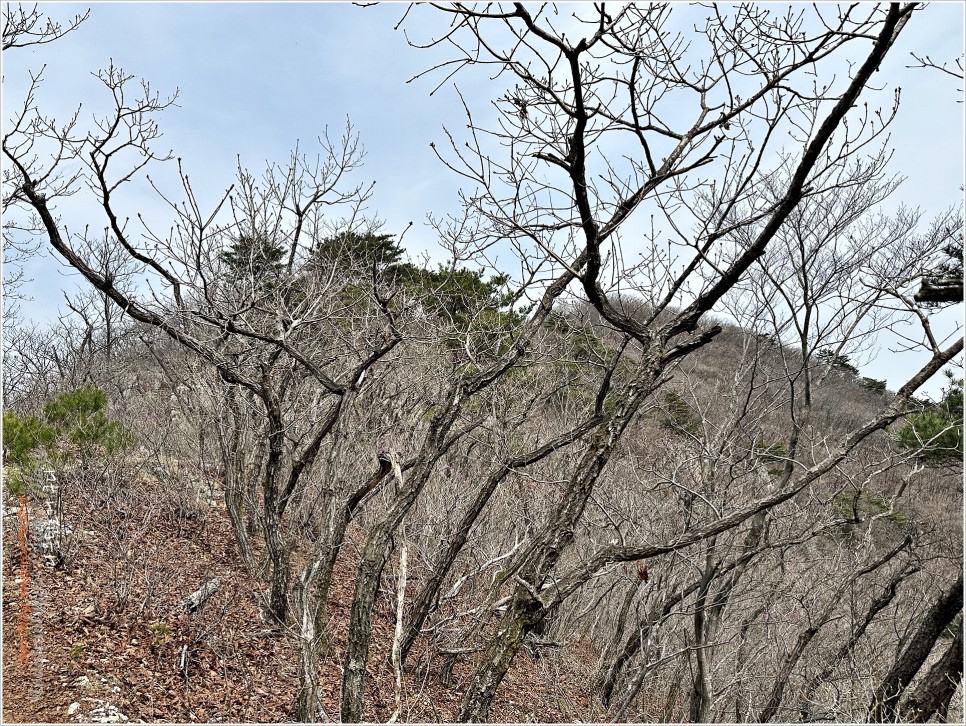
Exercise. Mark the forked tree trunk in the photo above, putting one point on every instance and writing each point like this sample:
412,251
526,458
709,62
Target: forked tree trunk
525,611
376,552
234,505
426,598
310,598
637,682
340,519
699,701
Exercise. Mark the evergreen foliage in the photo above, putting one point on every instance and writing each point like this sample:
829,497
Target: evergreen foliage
838,362
255,256
79,417
951,268
936,431
73,426
873,384
944,283
22,436
680,416
358,250
460,296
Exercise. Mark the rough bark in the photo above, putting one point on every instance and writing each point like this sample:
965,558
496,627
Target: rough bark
885,702
521,617
333,545
310,597
542,556
699,702
931,699
368,576
307,701
278,557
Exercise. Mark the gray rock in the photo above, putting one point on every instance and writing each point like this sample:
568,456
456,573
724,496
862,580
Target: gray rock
81,682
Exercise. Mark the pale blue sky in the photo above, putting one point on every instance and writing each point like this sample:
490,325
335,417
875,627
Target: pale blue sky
255,78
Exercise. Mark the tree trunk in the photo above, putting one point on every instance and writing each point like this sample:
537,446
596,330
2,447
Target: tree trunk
607,679
322,588
524,613
876,606
232,463
304,605
885,702
931,699
360,625
234,506
376,553
635,645
311,595
280,575
772,704
557,536
340,519
700,700
423,603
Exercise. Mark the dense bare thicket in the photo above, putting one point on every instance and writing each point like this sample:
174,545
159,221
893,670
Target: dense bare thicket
576,455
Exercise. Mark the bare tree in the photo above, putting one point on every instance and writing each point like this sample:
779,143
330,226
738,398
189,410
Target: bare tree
26,26
564,199
758,164
257,336
23,27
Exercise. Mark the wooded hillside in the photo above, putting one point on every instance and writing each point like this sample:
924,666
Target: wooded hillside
276,469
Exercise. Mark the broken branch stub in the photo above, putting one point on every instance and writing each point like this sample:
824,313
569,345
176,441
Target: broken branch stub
200,596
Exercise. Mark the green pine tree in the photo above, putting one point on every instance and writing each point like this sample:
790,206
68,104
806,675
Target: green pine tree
839,362
255,257
936,431
360,251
